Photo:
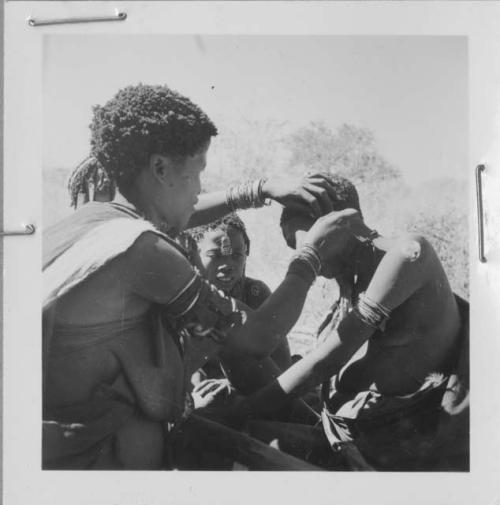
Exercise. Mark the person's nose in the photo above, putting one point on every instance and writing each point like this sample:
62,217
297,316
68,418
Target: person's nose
198,185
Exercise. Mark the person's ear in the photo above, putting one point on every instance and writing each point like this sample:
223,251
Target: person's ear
160,168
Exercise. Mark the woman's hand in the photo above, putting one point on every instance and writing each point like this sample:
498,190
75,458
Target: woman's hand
330,235
311,195
209,391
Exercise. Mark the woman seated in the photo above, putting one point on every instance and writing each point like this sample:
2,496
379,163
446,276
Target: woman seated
223,247
385,353
126,318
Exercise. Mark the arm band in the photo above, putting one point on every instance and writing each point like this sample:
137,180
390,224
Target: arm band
370,312
204,311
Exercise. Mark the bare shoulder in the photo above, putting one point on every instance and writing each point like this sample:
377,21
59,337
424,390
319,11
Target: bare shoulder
415,252
156,267
408,265
414,248
256,292
152,248
420,264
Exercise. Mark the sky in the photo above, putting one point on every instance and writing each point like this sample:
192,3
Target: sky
411,92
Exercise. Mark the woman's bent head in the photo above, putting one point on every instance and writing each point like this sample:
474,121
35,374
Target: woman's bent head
153,142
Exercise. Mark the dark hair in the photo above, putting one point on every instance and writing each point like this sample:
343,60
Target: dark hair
143,120
345,196
89,171
228,221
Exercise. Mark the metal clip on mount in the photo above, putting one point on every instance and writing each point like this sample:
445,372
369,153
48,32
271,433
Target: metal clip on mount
119,16
29,229
480,212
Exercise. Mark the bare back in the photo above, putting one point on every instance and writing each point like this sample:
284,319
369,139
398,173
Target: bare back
417,340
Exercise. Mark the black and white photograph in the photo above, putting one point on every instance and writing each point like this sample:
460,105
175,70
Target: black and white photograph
255,253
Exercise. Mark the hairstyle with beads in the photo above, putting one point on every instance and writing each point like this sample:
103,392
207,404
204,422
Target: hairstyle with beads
143,120
229,221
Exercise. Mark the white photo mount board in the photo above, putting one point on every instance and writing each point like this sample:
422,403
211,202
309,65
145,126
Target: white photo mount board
23,480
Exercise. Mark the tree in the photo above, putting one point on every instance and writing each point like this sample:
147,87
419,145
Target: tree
350,151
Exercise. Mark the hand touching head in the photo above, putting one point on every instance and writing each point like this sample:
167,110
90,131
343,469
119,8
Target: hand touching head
343,195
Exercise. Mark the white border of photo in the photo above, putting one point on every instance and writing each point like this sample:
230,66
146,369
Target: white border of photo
24,481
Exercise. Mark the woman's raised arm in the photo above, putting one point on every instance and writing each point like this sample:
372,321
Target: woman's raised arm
312,194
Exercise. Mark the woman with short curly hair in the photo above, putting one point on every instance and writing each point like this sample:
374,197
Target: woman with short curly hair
126,318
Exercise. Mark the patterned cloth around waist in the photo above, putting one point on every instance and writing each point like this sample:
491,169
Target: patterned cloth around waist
391,432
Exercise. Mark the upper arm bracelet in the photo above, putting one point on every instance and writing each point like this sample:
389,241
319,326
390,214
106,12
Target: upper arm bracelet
370,312
203,310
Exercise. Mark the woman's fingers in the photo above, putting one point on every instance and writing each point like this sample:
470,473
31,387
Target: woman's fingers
211,387
325,183
320,186
347,217
321,195
310,200
217,390
314,191
204,386
348,220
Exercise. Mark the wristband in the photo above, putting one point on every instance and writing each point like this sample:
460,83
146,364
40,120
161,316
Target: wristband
311,254
306,263
246,195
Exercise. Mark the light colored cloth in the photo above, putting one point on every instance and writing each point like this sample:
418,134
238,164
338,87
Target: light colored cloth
93,250
154,355
146,390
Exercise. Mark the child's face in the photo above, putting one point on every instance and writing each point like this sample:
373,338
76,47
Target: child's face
223,255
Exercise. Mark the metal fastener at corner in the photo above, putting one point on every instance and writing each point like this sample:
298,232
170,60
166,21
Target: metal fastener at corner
119,16
29,229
